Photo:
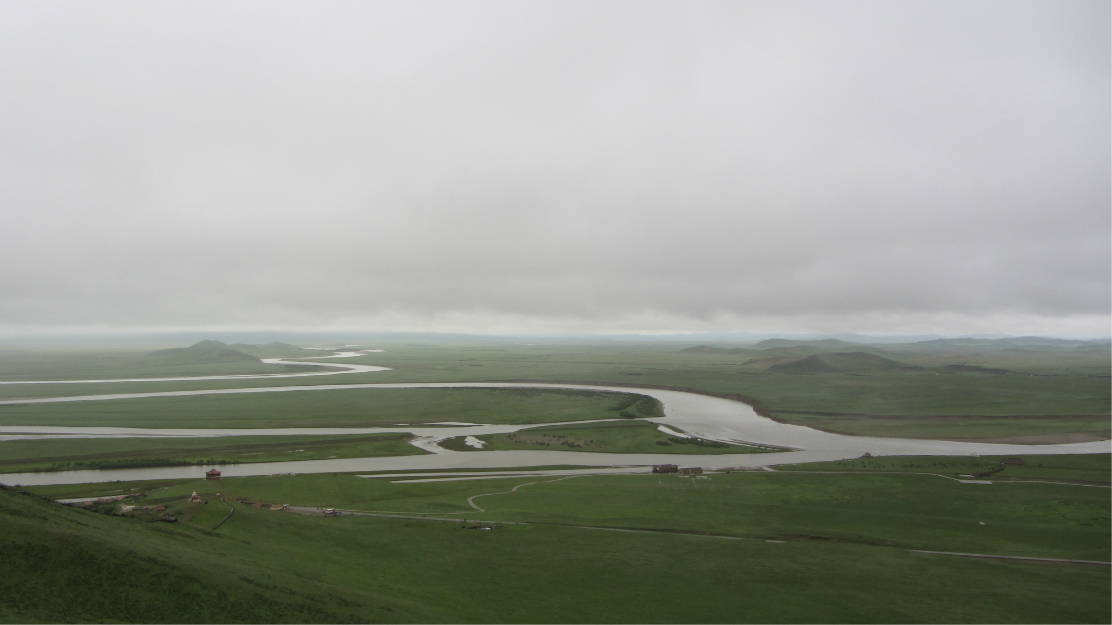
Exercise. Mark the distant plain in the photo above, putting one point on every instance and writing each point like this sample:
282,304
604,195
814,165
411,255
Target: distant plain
1054,393
819,542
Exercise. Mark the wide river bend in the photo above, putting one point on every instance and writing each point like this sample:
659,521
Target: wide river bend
703,416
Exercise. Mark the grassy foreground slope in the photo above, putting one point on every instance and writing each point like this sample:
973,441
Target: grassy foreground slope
908,511
845,558
60,564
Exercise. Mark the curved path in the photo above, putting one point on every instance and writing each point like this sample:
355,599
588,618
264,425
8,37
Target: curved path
471,499
703,416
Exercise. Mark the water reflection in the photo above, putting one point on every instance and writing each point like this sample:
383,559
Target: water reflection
699,415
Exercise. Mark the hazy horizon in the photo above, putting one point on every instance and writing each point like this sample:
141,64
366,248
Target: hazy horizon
556,168
143,339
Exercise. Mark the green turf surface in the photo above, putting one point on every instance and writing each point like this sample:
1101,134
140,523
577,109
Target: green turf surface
104,489
1081,468
66,454
1017,429
334,408
848,526
633,436
846,557
912,511
66,565
1068,388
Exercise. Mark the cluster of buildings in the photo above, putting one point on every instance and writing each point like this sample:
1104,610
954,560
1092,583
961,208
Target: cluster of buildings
671,468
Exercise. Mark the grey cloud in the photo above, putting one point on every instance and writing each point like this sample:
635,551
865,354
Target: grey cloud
621,165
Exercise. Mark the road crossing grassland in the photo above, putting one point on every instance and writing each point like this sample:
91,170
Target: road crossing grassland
910,511
845,557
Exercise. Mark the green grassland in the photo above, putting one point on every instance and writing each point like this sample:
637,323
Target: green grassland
1067,388
334,408
1082,469
634,437
66,454
909,510
698,552
845,557
1021,430
278,350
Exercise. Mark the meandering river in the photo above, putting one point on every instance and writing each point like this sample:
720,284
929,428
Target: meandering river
697,415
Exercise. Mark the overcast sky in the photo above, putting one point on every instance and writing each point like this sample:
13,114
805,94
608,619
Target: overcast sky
556,166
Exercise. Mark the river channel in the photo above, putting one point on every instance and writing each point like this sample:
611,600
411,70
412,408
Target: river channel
696,415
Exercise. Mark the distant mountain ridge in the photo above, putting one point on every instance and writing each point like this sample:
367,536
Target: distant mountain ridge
1096,345
829,343
707,349
204,352
841,362
275,350
1010,342
805,346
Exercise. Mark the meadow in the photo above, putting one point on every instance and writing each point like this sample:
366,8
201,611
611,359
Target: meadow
66,454
334,408
821,542
901,509
1093,469
631,437
952,391
845,557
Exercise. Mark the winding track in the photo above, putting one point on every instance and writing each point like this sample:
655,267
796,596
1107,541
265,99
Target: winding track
471,499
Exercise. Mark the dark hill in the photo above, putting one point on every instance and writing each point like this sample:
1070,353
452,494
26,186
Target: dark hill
1013,342
276,350
841,362
1096,346
205,352
975,369
707,349
798,351
821,343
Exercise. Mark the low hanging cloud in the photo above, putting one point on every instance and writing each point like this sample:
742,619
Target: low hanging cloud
556,166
